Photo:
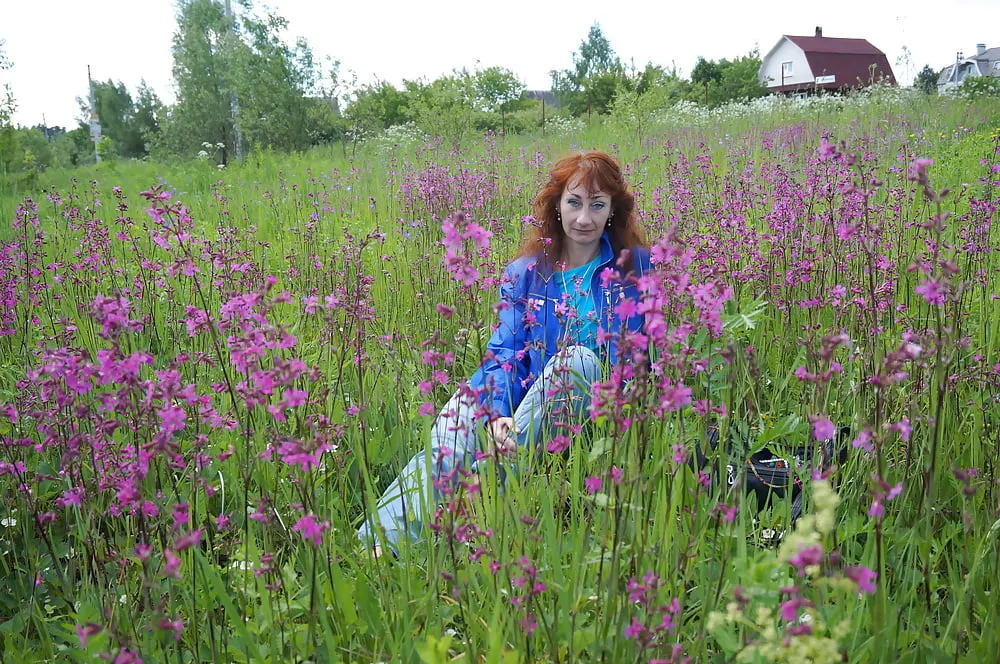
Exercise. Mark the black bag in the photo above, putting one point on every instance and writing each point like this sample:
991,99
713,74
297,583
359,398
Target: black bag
767,475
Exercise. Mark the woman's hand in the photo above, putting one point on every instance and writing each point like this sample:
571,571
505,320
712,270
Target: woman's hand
502,432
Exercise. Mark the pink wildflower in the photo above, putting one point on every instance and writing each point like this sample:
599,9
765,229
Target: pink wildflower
864,440
823,429
593,484
918,168
558,444
635,630
826,149
862,576
904,428
616,474
84,632
932,291
528,625
172,567
127,656
807,557
311,530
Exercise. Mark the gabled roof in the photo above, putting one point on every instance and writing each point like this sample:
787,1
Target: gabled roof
989,54
838,45
547,96
852,62
985,60
984,63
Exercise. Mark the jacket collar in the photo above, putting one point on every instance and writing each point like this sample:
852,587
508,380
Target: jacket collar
606,255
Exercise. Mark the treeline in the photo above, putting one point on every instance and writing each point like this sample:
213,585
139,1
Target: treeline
241,88
598,78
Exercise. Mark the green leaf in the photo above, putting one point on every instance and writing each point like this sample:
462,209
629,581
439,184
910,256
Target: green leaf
727,639
782,429
602,499
221,596
16,624
434,650
740,320
600,447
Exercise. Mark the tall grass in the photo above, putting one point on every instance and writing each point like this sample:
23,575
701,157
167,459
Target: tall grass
206,385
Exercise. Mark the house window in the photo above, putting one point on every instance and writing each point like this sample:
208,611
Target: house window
996,66
786,69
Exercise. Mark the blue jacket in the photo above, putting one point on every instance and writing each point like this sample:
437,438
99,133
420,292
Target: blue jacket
524,348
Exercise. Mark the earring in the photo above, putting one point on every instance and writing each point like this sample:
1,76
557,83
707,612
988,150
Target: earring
610,217
558,217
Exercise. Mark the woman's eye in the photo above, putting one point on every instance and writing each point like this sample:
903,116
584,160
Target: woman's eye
598,206
573,202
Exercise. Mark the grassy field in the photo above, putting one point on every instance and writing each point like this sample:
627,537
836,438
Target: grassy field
207,376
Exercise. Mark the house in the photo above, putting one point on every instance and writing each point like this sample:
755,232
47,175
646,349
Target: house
806,64
986,62
547,97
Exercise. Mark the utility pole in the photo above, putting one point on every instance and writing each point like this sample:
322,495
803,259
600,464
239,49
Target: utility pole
234,100
95,121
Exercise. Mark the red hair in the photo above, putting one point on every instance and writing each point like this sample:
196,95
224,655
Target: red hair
597,171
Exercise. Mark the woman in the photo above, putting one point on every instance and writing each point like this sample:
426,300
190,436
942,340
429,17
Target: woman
559,322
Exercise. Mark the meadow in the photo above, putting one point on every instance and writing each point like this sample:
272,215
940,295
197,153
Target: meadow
207,376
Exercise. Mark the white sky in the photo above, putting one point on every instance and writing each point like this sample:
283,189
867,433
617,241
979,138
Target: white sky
51,42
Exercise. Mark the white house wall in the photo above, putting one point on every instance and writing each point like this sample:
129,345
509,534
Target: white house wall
785,51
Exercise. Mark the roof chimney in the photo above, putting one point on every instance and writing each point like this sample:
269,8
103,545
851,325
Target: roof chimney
980,49
819,30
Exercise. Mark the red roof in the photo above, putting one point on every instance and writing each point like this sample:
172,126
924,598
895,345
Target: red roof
837,45
853,62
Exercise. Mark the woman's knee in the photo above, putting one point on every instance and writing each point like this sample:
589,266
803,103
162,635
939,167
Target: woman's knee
581,360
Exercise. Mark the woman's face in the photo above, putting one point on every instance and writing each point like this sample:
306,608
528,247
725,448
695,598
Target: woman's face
584,215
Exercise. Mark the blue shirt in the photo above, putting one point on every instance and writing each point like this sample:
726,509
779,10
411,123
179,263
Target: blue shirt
580,321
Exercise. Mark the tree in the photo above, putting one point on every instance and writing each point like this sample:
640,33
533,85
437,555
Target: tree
149,111
73,148
9,151
443,107
324,121
727,80
596,55
496,89
272,81
655,90
926,81
650,77
739,79
203,62
704,73
374,107
36,152
7,104
596,75
240,67
130,125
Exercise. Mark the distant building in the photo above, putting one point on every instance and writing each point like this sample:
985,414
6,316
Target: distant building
986,62
546,96
805,64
